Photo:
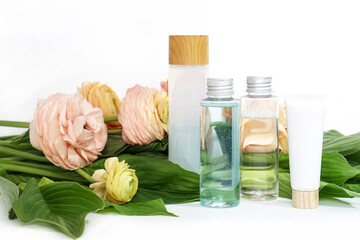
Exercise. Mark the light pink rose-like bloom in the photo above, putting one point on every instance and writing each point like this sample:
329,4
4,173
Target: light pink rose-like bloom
165,86
68,130
143,115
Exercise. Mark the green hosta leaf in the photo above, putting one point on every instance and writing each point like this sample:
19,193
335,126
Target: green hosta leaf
20,178
284,161
158,155
326,189
285,189
352,187
354,158
333,190
43,181
158,178
63,205
149,208
334,167
21,186
114,145
157,146
164,179
346,145
9,192
331,134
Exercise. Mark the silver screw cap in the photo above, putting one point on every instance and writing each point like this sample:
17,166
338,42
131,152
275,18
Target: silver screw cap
220,87
257,84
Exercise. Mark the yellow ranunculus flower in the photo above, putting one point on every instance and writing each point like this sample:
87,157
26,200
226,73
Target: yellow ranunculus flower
162,107
117,183
102,96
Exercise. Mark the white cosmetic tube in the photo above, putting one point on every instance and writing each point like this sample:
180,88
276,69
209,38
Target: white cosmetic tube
188,70
305,123
187,86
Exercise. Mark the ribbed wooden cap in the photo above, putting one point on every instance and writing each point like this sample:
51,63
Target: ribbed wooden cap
188,50
305,199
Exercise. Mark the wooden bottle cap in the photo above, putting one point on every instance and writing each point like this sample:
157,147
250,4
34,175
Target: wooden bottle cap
188,50
305,199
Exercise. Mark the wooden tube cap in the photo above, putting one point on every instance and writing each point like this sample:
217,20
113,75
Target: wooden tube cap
305,199
188,50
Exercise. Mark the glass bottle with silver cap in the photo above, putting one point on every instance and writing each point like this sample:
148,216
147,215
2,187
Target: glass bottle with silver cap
219,146
259,141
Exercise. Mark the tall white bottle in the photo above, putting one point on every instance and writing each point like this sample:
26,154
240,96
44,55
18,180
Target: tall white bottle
188,71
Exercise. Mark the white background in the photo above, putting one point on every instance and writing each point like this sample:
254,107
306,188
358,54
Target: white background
49,46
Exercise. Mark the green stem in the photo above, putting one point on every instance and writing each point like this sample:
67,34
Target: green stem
34,165
34,169
114,131
112,118
14,124
8,137
12,159
85,175
22,146
23,154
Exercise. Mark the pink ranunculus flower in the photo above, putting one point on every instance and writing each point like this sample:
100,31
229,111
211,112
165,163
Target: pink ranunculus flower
68,130
143,115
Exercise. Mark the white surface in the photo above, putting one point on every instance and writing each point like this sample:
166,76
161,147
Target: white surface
187,86
267,220
49,46
305,124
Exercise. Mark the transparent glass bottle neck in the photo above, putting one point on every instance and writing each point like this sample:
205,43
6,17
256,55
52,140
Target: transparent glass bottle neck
219,98
259,95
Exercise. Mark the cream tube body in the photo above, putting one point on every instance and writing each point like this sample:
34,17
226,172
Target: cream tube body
305,122
187,86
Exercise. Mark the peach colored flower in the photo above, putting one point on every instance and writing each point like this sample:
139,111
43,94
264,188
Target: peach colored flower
103,97
165,86
162,107
283,138
68,130
143,115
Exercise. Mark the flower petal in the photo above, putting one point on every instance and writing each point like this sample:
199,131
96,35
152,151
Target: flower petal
100,175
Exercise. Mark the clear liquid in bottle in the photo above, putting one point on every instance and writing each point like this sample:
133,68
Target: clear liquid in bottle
259,158
220,155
